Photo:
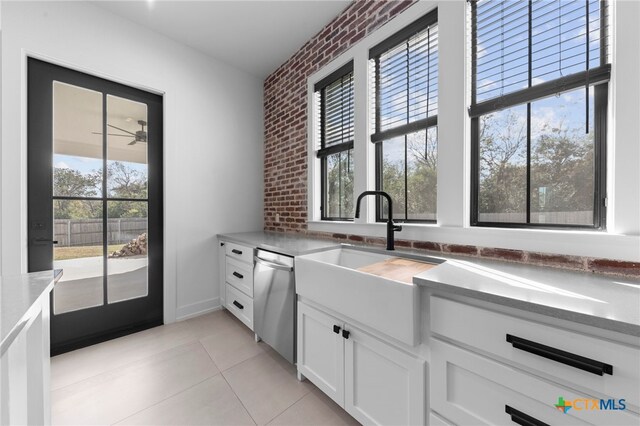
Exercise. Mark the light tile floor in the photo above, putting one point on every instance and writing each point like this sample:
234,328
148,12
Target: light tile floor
203,371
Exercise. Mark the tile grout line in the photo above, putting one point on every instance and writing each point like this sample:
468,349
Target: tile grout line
124,365
229,384
239,399
178,393
282,412
193,338
164,399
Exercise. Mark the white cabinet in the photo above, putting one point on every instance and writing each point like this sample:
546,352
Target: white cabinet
321,351
25,369
532,344
240,305
236,280
383,385
471,389
490,367
375,382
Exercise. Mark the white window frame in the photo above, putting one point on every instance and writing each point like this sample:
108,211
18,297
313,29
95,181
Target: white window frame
622,237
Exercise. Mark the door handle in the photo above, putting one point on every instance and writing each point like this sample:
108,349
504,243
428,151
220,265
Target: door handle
44,241
236,251
336,329
235,274
238,304
345,334
521,418
273,264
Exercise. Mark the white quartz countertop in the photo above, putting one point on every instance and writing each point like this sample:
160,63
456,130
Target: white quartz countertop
291,245
18,294
608,302
603,301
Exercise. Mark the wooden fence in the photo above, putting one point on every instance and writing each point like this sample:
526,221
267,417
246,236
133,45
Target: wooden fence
88,232
574,218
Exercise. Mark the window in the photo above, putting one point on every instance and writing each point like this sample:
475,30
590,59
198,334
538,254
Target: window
405,78
334,103
538,113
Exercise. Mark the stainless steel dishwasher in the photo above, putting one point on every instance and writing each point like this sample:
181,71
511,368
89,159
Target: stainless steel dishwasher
274,302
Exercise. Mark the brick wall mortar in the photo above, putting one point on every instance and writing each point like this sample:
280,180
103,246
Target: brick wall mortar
574,263
285,145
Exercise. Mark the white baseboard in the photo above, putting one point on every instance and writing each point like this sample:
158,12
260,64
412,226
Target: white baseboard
198,308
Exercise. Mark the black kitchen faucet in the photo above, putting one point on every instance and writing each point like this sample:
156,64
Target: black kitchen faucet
391,228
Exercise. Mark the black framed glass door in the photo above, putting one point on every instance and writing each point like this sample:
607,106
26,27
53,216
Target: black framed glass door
95,203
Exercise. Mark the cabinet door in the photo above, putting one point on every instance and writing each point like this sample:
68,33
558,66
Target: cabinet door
383,385
321,351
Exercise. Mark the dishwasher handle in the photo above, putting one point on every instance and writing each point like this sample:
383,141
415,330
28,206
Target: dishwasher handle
273,265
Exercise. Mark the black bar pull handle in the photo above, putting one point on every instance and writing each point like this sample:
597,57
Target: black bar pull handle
521,418
236,251
573,360
238,304
345,334
235,274
45,241
336,329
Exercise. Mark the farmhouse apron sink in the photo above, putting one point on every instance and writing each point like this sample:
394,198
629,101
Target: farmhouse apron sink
374,288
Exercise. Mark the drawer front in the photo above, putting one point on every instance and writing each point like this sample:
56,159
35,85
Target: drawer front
487,331
240,305
239,275
471,389
435,420
240,252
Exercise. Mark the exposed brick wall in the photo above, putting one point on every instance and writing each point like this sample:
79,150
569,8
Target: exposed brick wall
576,263
285,106
285,164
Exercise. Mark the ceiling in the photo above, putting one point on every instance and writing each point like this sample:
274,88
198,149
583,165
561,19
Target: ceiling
77,125
256,36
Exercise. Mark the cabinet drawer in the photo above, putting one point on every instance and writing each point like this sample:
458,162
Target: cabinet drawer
239,252
240,305
471,389
239,275
435,420
487,331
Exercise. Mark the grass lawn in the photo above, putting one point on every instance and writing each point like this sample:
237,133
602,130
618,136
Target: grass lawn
64,253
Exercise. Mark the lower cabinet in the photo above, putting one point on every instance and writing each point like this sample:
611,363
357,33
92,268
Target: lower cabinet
236,280
25,389
471,389
375,382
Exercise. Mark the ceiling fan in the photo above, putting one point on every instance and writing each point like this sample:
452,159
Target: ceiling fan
138,136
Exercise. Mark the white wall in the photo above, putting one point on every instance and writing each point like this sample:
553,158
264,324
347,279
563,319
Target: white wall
213,135
622,238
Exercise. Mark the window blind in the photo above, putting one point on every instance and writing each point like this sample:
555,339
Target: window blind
405,69
549,45
335,97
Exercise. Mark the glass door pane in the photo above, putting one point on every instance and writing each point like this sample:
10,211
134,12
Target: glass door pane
77,182
128,259
126,148
127,205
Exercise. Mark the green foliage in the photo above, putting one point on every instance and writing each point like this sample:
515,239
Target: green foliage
503,154
123,182
562,165
339,185
421,174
